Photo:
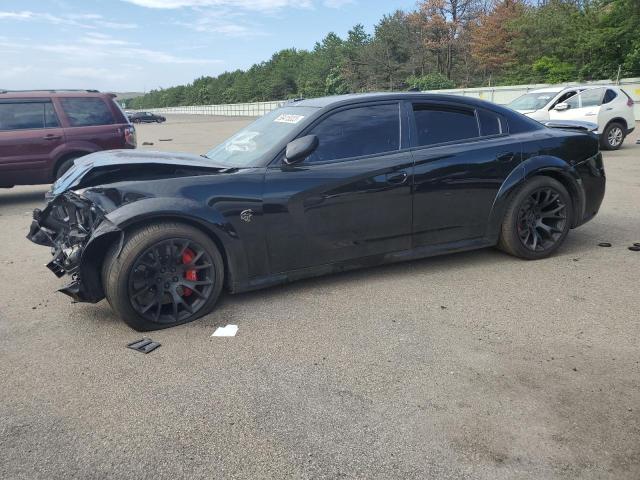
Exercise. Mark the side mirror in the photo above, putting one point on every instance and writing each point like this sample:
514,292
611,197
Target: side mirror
561,107
300,149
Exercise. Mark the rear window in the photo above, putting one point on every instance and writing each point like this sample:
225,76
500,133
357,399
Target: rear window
490,123
437,124
27,116
609,95
84,112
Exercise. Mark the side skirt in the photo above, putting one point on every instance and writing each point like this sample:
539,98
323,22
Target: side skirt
265,281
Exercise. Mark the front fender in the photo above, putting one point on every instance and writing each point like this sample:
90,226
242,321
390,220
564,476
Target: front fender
206,218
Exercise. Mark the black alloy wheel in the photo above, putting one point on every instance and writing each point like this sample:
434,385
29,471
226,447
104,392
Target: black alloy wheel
171,280
542,219
537,219
165,274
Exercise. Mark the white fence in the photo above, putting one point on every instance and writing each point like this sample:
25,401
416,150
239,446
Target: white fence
500,95
255,109
504,95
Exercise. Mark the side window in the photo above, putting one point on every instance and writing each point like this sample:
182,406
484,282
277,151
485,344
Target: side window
563,98
358,131
490,123
21,116
609,95
50,117
592,98
83,112
437,124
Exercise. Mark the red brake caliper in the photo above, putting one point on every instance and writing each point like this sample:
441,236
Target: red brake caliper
191,275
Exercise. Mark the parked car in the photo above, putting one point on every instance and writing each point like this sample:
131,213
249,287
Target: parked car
43,132
146,117
318,186
610,107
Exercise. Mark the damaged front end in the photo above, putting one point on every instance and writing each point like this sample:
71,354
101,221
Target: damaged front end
70,224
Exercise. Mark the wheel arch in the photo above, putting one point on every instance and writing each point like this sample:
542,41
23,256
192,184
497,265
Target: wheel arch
96,250
619,120
66,156
543,165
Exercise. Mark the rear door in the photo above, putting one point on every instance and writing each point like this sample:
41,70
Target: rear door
350,199
92,124
30,137
462,157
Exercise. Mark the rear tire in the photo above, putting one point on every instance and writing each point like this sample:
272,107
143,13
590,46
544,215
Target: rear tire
613,136
149,283
537,220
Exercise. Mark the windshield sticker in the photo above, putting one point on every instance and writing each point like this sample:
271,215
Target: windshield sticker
288,118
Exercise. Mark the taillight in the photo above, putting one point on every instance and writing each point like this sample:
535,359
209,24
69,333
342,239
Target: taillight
629,102
130,136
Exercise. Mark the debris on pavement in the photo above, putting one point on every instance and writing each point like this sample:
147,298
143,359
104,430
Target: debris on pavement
227,331
604,244
147,143
146,345
635,248
165,139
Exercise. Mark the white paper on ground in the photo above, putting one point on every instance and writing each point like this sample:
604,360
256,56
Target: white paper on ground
228,331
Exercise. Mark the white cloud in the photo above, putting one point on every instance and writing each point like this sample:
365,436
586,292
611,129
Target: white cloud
337,3
82,20
244,4
91,73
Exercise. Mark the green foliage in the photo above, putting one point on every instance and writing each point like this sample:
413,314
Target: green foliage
510,42
431,81
552,70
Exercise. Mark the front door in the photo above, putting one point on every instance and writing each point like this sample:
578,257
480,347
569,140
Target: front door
30,133
585,106
350,199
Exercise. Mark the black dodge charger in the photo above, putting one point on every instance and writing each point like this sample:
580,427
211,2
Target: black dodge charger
318,186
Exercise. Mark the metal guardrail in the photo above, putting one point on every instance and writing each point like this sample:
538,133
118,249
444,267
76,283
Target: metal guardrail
254,109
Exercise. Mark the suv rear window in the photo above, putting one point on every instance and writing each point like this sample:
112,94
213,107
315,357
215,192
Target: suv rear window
84,112
27,116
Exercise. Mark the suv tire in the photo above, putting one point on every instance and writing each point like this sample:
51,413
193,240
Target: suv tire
613,136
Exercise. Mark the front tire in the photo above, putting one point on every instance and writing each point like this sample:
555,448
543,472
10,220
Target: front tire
166,274
613,136
537,220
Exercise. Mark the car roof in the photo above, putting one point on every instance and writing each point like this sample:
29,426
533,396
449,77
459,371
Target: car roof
52,93
354,98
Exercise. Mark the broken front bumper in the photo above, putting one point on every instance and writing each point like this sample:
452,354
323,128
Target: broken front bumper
69,224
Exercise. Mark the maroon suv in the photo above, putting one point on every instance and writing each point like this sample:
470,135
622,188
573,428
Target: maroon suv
43,132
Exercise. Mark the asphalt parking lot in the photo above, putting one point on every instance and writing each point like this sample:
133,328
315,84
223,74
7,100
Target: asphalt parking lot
474,365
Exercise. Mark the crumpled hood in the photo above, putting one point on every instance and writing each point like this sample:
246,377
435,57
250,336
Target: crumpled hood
123,161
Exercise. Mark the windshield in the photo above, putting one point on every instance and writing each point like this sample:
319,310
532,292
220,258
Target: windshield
532,101
253,141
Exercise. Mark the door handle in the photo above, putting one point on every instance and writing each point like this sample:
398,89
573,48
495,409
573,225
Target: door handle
52,137
397,178
505,157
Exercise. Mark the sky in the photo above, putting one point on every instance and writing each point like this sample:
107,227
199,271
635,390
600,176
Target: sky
139,45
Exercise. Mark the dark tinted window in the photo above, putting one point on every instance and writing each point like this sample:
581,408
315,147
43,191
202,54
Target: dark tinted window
436,124
50,117
609,95
358,131
84,112
21,116
490,123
